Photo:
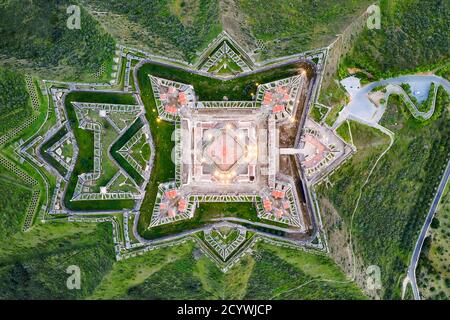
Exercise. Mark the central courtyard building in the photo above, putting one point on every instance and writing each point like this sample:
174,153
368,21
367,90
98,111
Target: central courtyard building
228,151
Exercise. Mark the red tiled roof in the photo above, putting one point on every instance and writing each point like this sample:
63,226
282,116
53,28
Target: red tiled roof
163,206
171,90
267,97
182,98
170,109
267,205
182,205
277,108
171,194
278,194
278,213
171,213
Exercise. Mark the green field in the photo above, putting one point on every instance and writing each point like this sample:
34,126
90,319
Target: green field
394,202
40,42
344,132
33,266
209,89
317,113
413,36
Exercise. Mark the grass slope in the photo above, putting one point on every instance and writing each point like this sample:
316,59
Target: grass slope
184,272
288,27
14,199
33,264
290,275
180,30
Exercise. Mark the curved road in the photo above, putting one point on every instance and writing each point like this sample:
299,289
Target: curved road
361,109
360,105
417,249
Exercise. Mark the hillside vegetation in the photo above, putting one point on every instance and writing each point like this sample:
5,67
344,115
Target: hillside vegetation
185,273
413,35
174,28
33,265
15,104
14,199
286,27
396,199
433,270
39,41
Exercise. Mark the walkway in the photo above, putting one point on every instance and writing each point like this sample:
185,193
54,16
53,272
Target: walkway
361,107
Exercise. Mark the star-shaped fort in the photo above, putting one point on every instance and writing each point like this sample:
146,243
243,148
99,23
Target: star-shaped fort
220,152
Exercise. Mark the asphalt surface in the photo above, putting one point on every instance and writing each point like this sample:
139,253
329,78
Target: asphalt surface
418,248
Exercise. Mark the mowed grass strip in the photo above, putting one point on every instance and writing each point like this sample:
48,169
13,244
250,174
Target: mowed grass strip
120,143
208,89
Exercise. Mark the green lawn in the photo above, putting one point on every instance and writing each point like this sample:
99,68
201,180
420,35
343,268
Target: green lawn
203,215
208,89
317,113
344,132
333,115
85,142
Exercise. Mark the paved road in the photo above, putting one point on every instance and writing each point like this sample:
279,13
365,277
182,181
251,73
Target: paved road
259,224
360,105
416,254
